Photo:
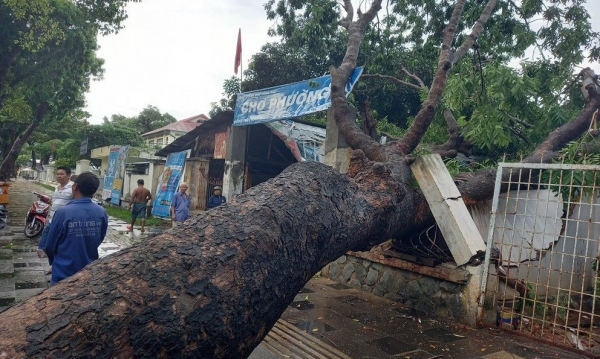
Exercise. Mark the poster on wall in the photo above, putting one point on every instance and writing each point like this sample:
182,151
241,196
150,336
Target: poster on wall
115,172
109,175
220,145
117,190
168,183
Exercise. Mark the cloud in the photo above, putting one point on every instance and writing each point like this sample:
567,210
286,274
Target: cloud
174,55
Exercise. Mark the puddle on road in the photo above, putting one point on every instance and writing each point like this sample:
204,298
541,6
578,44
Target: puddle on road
314,326
302,305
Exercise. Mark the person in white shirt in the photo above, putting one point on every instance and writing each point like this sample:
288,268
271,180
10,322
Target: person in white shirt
63,194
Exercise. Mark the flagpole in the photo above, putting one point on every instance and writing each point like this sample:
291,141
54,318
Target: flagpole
241,65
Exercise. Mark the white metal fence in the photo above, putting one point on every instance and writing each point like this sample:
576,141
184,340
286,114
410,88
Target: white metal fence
542,257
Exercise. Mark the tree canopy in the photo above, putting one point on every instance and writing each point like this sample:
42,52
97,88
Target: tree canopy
150,118
47,60
400,54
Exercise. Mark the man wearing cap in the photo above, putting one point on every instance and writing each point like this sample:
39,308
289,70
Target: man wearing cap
216,199
139,197
180,207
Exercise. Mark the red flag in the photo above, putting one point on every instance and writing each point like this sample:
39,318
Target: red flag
238,53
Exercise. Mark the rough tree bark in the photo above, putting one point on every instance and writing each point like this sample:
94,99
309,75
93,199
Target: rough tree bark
215,287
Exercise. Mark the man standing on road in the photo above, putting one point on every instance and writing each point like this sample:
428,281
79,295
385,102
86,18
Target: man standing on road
180,207
139,197
77,230
63,194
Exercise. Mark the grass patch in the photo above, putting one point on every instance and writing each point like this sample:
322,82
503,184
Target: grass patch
7,275
46,186
125,214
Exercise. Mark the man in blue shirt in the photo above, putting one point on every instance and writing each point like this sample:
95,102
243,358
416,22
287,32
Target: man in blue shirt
216,199
76,231
180,207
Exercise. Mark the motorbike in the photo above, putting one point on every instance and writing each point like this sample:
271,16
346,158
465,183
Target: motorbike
36,217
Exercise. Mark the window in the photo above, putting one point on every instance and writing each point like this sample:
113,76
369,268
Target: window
151,142
159,141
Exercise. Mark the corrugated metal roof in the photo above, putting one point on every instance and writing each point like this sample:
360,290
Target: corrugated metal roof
185,125
186,141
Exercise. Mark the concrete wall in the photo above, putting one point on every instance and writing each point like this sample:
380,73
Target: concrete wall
233,178
456,300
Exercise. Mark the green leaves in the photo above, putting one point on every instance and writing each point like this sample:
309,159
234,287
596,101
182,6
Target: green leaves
16,110
501,109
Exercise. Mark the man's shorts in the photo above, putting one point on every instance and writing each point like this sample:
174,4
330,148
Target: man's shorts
138,210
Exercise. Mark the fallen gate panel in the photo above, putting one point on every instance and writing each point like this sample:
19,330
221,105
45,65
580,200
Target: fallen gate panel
542,254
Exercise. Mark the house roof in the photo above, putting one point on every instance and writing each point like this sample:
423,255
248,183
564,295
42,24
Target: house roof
186,141
185,125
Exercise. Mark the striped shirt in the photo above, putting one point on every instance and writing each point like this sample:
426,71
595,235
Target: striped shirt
61,197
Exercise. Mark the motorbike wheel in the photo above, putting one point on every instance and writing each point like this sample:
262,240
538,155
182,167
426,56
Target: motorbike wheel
33,229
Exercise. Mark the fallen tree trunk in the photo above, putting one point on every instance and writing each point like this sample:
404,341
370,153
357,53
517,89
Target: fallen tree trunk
215,287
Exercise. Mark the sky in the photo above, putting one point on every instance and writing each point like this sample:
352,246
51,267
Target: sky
176,54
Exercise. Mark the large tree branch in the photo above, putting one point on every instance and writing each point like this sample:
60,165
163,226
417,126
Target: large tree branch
345,22
475,32
343,114
414,77
455,142
394,79
425,116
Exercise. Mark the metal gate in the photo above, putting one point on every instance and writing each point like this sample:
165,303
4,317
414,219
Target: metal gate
542,261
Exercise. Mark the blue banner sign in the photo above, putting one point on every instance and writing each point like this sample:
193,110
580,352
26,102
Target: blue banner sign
115,172
168,183
119,176
109,174
287,101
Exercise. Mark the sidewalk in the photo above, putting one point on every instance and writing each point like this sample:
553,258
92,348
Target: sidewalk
362,325
326,319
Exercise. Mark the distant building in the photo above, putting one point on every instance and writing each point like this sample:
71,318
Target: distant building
169,133
238,158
